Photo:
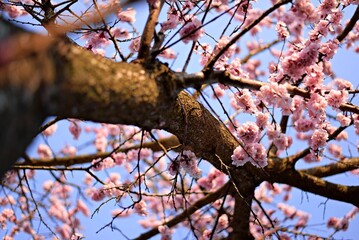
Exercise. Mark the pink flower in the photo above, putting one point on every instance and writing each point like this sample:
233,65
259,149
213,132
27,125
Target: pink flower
135,45
319,138
253,152
335,150
262,120
245,101
75,129
172,20
336,98
248,132
69,151
282,30
165,232
81,206
14,11
282,142
119,158
48,185
168,54
120,33
303,125
343,84
343,120
101,143
316,107
128,15
329,49
288,211
192,30
50,130
141,208
44,151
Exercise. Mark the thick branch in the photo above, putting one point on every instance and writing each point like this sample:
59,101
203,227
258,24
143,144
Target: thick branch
349,26
149,30
199,78
309,183
341,166
69,161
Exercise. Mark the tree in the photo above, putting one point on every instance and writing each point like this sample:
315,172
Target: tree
222,176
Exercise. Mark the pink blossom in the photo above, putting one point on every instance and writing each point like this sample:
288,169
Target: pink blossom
98,195
288,211
75,129
244,100
187,161
276,95
319,138
168,54
304,125
222,42
282,30
262,119
64,230
101,143
81,206
248,132
218,92
343,84
316,107
329,49
120,33
14,11
128,15
76,236
69,151
336,98
192,30
135,45
141,208
44,151
335,150
96,41
343,120
223,221
282,141
172,20
119,158
253,152
48,185
50,130
165,232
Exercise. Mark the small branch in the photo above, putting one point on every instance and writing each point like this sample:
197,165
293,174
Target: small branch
341,166
148,32
211,197
258,50
69,161
243,32
350,25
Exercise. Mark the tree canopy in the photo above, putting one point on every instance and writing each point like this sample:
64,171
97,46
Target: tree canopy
216,151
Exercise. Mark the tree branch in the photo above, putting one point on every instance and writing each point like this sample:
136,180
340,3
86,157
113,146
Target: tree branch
211,197
69,161
349,26
244,31
223,77
309,183
341,166
147,34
